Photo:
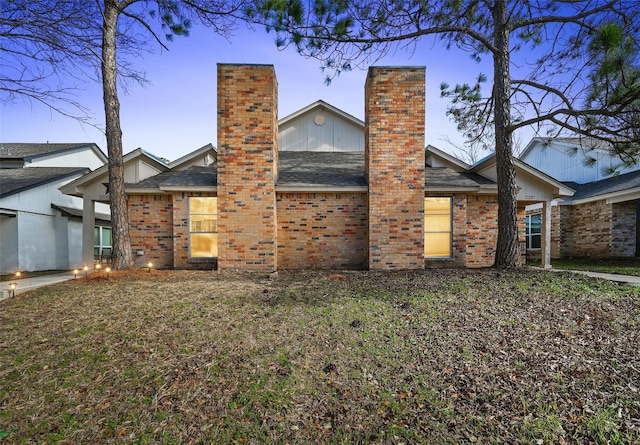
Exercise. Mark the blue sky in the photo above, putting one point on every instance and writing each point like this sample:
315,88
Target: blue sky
176,113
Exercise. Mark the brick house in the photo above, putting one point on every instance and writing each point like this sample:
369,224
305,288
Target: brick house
600,219
321,188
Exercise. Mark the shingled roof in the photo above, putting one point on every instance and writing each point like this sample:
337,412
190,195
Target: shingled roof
15,180
448,178
29,151
195,176
313,169
607,186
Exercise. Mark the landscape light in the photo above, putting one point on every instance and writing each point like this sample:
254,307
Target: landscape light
86,272
12,289
98,266
150,265
18,273
108,271
75,273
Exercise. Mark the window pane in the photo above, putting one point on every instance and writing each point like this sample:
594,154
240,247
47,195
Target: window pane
106,236
437,205
536,241
437,244
203,245
203,205
204,223
437,223
535,223
96,236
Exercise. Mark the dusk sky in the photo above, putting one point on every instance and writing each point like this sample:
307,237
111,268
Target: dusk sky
176,113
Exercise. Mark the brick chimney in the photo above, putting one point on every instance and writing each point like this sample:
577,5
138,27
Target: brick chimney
394,160
247,167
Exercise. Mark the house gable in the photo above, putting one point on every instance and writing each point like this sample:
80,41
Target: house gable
320,127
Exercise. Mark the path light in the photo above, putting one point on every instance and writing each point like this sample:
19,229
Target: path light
75,273
98,266
108,271
150,265
18,273
86,272
12,289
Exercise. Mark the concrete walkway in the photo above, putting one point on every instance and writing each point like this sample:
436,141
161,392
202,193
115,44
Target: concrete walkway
26,284
626,279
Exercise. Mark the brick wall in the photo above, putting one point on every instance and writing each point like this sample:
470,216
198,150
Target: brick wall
181,233
394,162
322,230
592,229
247,167
151,226
482,230
623,236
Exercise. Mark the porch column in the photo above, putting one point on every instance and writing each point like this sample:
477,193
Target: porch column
545,255
88,224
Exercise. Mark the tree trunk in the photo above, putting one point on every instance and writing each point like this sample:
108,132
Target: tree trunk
123,258
508,247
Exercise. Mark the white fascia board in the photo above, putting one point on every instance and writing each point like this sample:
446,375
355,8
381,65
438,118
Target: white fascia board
188,188
320,189
611,198
143,191
452,189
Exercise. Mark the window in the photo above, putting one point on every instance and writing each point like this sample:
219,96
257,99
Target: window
102,241
437,227
533,231
203,227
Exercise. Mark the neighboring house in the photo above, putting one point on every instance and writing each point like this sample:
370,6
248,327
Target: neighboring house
320,188
41,228
600,219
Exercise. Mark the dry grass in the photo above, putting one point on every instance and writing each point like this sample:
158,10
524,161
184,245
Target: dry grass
410,357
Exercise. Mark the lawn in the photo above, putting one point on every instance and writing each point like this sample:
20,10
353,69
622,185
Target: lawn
437,356
624,266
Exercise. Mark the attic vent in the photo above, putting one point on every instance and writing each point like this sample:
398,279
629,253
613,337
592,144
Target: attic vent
319,119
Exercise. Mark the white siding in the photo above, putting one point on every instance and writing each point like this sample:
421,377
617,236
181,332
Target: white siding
74,236
8,244
84,157
336,134
557,161
36,242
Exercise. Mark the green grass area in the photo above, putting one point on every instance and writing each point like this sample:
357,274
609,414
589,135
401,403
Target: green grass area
623,266
439,356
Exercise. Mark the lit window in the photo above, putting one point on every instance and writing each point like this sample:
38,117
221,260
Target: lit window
203,227
437,227
534,231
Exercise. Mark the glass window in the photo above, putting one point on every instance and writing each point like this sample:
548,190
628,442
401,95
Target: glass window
102,240
203,227
533,231
437,227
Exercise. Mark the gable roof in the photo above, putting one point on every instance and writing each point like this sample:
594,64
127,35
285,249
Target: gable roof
197,177
194,154
74,187
488,161
30,151
446,157
322,104
16,180
70,212
616,189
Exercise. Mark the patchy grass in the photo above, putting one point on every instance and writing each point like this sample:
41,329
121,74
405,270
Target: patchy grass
622,266
443,356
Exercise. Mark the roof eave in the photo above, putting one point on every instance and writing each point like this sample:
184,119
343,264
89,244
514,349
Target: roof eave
322,188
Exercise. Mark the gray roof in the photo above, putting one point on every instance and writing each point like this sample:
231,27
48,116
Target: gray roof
192,176
447,177
310,168
614,184
15,180
77,213
28,151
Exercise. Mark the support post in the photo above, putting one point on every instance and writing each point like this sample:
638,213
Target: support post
545,260
88,224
